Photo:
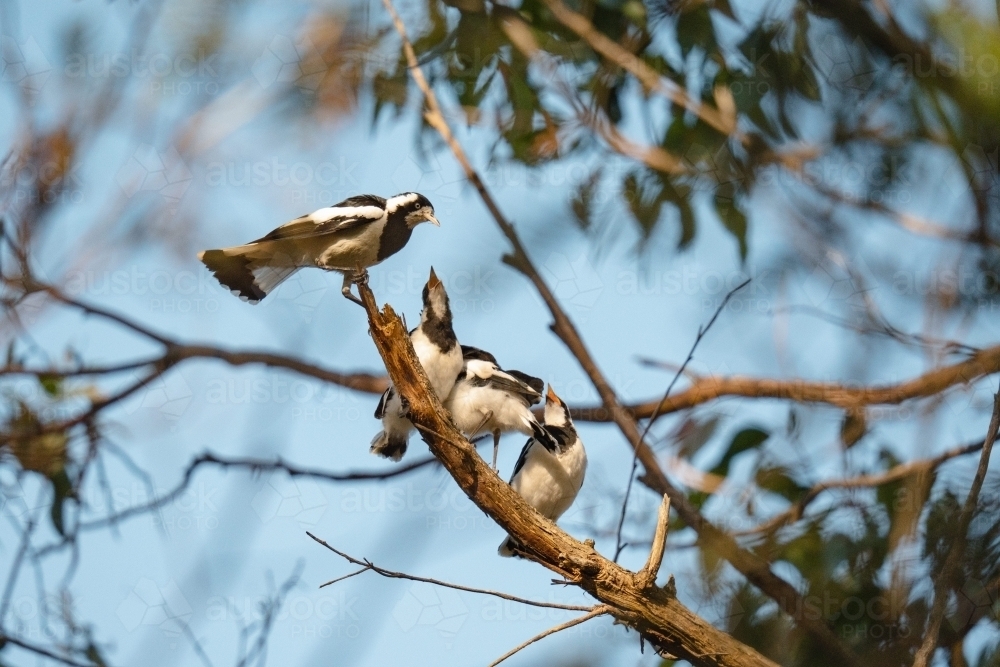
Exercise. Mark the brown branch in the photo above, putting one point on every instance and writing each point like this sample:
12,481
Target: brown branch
177,352
654,613
599,610
724,121
254,465
647,575
901,471
704,389
946,578
367,565
702,330
43,652
752,566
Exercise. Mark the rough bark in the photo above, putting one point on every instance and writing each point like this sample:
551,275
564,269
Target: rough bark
652,610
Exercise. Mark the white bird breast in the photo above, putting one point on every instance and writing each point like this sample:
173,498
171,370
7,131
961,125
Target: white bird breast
354,247
441,368
550,483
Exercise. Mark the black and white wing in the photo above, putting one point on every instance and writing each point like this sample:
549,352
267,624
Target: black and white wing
536,384
470,353
382,402
509,384
521,459
349,214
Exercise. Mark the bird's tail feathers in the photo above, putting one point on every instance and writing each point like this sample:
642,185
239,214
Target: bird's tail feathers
249,278
391,446
508,547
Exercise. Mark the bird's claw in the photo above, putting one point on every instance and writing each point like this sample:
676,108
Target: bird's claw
349,295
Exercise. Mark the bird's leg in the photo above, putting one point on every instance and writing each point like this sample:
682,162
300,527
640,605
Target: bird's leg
488,416
496,448
346,289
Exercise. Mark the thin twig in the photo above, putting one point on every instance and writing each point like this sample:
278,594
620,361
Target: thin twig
709,388
953,560
647,575
796,511
702,330
15,567
367,565
753,566
43,652
599,610
251,464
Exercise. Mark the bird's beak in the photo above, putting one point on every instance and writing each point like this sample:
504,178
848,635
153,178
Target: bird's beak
431,219
550,396
433,281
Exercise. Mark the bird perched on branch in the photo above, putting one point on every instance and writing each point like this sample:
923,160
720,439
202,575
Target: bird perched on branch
550,470
349,237
487,399
440,355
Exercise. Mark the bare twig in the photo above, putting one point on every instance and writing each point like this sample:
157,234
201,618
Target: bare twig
657,615
980,364
599,610
946,578
647,575
44,652
702,330
754,567
367,565
796,511
251,464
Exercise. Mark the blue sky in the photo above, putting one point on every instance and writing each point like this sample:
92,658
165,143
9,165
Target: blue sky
208,558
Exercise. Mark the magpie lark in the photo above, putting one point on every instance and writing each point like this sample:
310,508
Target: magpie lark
550,470
349,237
439,353
487,399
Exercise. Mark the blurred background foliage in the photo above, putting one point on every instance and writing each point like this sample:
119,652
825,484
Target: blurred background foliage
812,114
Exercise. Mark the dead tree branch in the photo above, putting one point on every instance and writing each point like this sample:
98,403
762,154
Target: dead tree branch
368,566
706,388
653,612
901,471
599,610
755,568
946,578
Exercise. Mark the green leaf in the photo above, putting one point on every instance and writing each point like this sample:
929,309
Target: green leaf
582,203
853,428
62,490
694,28
747,439
733,220
51,385
693,434
778,480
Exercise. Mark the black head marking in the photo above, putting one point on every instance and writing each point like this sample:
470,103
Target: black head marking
435,319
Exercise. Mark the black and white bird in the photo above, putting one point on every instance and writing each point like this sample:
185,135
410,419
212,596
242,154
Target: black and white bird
488,399
349,237
550,470
439,353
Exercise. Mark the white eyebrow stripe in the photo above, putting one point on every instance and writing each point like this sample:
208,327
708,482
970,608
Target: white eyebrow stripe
346,212
399,200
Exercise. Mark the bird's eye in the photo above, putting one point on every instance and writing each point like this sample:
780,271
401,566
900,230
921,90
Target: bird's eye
418,206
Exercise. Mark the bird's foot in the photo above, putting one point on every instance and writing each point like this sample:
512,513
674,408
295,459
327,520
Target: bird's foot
346,291
360,276
349,295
